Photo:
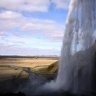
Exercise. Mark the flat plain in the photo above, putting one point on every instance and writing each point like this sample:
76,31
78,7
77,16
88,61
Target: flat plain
13,67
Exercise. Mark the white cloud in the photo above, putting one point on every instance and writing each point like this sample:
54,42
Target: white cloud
10,15
61,4
24,42
10,20
25,5
58,37
13,49
14,43
3,33
30,42
32,6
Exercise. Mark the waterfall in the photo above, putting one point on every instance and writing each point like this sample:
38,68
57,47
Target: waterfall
76,61
76,64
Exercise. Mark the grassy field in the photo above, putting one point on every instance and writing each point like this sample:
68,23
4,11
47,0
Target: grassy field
26,62
13,67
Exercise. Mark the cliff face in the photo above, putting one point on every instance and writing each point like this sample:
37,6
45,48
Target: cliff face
83,71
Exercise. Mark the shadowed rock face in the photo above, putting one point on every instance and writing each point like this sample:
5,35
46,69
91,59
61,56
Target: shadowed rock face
94,71
85,71
13,85
13,94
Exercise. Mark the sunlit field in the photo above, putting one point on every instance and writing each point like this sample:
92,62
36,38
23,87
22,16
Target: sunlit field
27,62
13,67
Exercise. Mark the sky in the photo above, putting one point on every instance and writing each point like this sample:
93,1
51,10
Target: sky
29,27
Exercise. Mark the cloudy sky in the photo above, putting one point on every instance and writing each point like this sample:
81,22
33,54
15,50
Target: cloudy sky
32,27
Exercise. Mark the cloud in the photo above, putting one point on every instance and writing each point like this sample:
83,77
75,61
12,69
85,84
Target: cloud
30,42
15,43
11,49
25,5
3,34
58,36
61,4
10,15
10,21
32,6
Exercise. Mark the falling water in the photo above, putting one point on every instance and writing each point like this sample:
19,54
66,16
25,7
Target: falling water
76,61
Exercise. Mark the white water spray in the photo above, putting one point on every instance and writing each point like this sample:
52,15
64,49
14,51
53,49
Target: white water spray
76,61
